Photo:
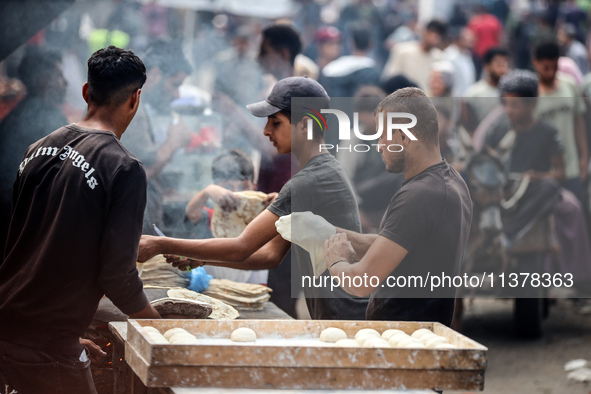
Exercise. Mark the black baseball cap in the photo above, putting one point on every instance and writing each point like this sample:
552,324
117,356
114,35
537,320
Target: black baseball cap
280,97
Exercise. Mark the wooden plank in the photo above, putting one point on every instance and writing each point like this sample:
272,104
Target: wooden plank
302,378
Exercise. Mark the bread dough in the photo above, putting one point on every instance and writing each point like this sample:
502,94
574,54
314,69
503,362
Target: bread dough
389,333
376,342
347,343
405,342
367,330
243,334
394,339
414,345
173,331
434,341
332,334
183,338
420,332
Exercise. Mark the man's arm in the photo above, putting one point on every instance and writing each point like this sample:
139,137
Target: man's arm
360,242
235,250
267,257
557,172
380,260
178,136
221,196
118,276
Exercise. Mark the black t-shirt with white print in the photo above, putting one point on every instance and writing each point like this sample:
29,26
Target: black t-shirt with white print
78,203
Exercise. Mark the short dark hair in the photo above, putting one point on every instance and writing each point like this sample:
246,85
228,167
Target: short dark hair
367,98
438,27
36,63
232,165
296,117
168,56
113,75
490,54
283,36
549,50
522,83
361,36
416,102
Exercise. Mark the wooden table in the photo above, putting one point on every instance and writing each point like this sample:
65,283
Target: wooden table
126,382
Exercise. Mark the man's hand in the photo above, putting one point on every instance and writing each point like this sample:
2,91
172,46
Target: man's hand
222,197
270,198
97,356
338,248
182,262
148,248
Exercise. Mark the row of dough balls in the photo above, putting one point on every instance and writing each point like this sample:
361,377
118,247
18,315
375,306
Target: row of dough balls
393,338
182,336
174,336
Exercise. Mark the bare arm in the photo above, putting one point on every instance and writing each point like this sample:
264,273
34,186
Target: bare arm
178,135
221,196
381,259
260,231
267,257
360,242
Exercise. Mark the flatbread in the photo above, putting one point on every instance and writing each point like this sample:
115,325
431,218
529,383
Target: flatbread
230,224
220,310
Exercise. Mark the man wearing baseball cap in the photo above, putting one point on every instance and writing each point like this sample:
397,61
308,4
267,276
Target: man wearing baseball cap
321,186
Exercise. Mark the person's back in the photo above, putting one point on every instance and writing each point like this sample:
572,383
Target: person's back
70,183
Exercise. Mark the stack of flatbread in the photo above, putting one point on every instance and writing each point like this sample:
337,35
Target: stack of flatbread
220,310
157,273
230,224
239,295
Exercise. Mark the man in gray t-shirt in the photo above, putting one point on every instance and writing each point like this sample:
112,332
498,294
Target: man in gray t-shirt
424,230
321,187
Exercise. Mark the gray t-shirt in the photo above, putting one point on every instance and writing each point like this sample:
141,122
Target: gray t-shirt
323,188
429,217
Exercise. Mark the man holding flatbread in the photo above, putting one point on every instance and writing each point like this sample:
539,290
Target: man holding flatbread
321,186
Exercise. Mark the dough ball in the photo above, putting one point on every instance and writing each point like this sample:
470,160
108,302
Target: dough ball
434,341
365,331
364,337
332,334
376,342
394,339
243,334
445,346
346,343
405,342
149,329
183,338
168,334
389,333
421,332
415,345
157,338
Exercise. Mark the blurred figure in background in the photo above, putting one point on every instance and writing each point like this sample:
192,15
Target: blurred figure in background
279,47
32,119
167,68
329,43
572,48
459,53
231,171
414,59
561,105
496,64
488,33
343,76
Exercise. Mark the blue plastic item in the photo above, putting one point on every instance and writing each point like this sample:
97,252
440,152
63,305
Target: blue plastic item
199,279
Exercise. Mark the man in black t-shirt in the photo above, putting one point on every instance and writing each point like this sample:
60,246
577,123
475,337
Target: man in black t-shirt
77,208
321,187
423,232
